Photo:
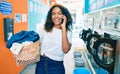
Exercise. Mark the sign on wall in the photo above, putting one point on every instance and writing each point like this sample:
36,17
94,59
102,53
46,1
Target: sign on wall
17,17
5,8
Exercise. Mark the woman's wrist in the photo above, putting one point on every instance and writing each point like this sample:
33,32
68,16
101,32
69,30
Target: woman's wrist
63,28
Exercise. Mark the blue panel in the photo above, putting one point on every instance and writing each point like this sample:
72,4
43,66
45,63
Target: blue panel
86,7
92,5
112,2
36,12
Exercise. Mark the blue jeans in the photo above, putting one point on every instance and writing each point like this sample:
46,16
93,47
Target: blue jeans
49,66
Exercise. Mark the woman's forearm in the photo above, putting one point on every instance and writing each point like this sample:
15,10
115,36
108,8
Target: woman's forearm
65,42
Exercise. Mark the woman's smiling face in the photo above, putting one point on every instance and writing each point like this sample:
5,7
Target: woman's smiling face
57,16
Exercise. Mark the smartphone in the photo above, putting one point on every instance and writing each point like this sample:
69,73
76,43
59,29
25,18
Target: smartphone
62,20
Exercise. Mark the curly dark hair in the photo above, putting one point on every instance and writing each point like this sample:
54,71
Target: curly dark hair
49,23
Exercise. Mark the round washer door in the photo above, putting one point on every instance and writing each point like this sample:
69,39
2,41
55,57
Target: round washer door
90,42
105,54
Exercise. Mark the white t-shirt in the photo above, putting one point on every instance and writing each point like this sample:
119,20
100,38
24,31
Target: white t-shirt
52,43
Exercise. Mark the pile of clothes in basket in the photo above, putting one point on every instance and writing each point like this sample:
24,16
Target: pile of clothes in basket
25,47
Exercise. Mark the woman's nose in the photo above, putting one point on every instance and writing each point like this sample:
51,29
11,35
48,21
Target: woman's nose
56,15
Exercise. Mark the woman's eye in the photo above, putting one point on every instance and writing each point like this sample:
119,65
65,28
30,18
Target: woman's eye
56,13
60,13
53,13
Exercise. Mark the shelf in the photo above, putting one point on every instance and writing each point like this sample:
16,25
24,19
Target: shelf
108,28
111,31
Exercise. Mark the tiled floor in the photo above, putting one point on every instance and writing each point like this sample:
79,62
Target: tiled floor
68,60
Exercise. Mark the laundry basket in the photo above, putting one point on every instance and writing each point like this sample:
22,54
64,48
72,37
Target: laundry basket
77,54
81,71
79,61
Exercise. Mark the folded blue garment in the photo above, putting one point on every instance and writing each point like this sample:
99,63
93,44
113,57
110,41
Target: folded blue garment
22,37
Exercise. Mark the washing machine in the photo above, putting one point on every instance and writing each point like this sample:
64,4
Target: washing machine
105,49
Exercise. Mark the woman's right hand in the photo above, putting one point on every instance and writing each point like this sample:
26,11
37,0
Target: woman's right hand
63,25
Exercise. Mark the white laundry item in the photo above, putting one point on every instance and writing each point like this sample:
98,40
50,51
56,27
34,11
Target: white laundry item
27,43
16,48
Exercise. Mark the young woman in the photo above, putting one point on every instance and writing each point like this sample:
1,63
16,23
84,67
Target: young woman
56,39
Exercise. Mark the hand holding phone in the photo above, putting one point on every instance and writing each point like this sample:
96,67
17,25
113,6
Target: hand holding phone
64,21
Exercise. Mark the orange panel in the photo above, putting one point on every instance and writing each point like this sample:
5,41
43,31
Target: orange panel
7,63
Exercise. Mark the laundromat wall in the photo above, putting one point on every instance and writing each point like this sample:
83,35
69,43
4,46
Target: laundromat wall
21,17
7,63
